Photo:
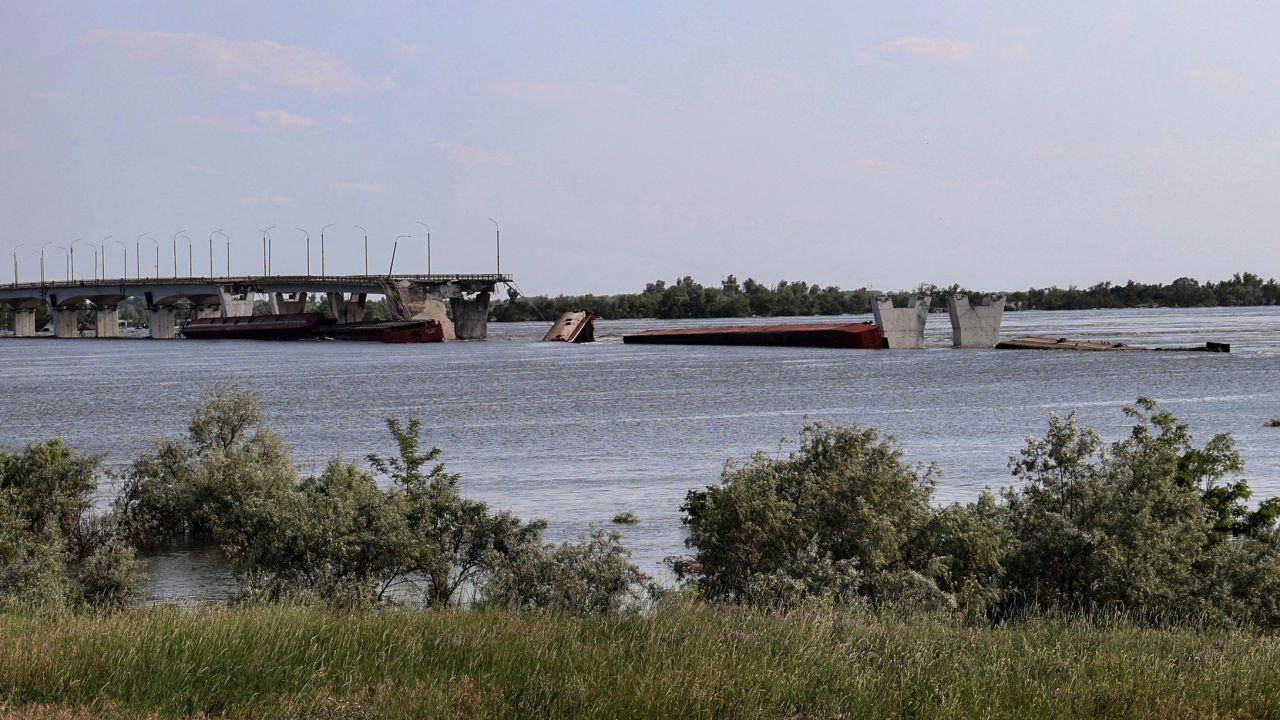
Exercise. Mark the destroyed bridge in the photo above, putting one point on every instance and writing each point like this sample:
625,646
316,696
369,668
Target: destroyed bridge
421,297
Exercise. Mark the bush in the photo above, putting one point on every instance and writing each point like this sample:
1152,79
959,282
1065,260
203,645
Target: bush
593,576
626,518
31,560
111,577
1139,527
187,488
50,487
837,520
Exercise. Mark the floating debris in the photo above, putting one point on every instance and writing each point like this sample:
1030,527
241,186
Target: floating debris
575,326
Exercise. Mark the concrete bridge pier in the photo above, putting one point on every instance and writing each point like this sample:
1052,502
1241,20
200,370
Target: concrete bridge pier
975,326
162,321
471,317
235,304
66,321
106,318
24,322
287,303
902,327
347,309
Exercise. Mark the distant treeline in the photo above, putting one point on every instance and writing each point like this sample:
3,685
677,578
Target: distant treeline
686,298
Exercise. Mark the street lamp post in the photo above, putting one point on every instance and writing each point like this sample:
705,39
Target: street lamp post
497,239
103,247
322,269
42,247
366,248
71,260
190,256
15,263
395,245
175,252
428,227
124,266
228,237
266,250
308,250
215,232
137,255
95,262
157,244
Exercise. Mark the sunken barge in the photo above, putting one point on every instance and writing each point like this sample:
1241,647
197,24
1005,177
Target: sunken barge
859,335
312,326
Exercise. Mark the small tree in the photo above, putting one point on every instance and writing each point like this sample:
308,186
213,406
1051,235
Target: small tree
31,560
111,577
594,576
187,488
845,502
51,486
456,540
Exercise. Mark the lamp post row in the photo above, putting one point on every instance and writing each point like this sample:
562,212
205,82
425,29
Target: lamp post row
100,253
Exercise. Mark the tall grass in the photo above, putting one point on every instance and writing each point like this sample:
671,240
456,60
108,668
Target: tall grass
685,662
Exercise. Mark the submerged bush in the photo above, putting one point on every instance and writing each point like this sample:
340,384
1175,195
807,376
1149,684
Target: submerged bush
839,520
50,486
31,560
111,577
593,576
189,487
1140,526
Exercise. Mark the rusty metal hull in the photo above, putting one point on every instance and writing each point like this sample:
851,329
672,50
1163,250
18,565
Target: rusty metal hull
576,326
302,326
1046,342
408,331
255,327
864,336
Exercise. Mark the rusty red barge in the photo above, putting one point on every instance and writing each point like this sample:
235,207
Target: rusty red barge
860,335
315,326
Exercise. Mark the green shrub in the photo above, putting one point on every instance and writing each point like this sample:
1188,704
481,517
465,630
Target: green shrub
837,520
591,577
186,488
31,560
1135,526
50,486
626,518
111,577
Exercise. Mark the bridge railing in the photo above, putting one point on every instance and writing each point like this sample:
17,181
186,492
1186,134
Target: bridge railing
262,280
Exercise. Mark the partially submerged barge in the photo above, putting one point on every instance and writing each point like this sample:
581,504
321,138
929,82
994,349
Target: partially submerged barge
1046,342
575,326
303,326
860,335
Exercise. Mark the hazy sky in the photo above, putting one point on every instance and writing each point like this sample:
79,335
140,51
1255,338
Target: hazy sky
996,145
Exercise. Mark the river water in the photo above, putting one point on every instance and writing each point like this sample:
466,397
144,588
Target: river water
578,433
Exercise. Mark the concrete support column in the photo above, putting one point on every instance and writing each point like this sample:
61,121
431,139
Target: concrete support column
161,322
208,311
282,305
975,326
347,309
66,321
902,327
107,320
235,306
24,322
471,317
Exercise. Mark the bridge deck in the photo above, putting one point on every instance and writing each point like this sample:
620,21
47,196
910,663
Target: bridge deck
274,281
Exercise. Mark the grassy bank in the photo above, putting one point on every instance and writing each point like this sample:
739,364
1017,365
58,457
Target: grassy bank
688,662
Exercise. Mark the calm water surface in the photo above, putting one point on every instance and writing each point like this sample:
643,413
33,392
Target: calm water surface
578,433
